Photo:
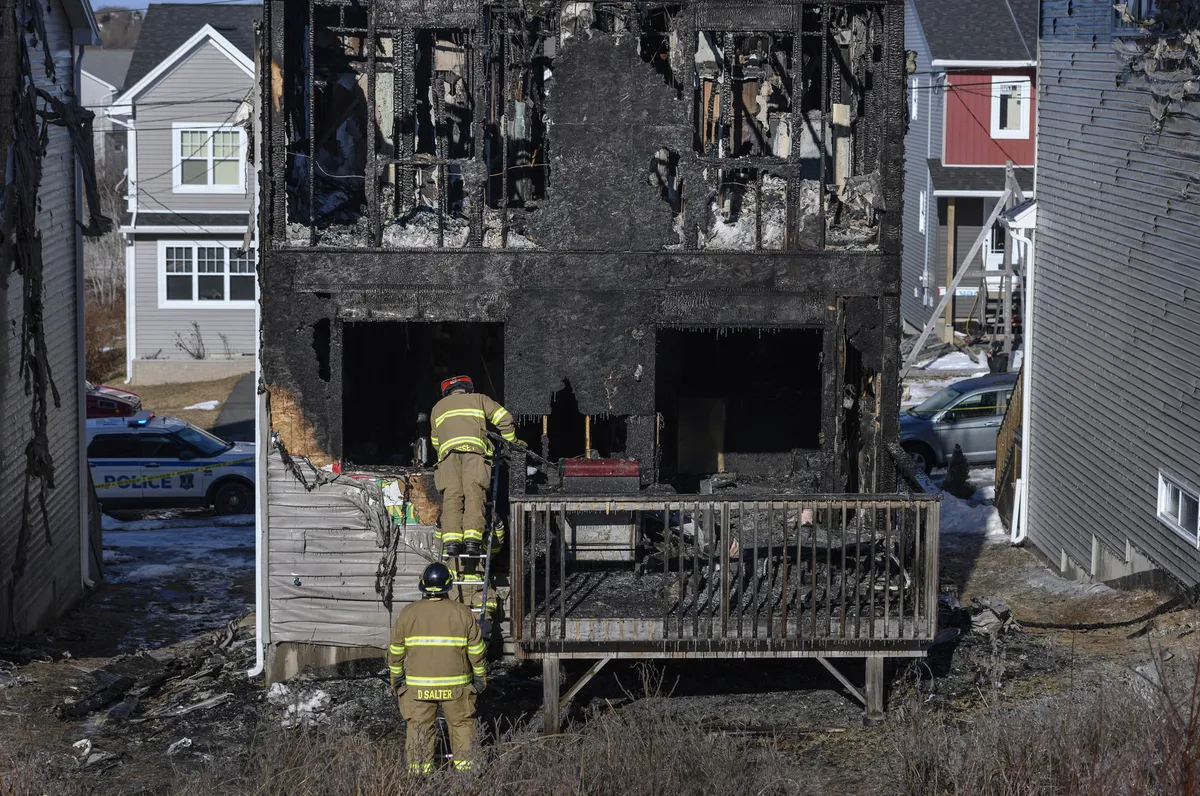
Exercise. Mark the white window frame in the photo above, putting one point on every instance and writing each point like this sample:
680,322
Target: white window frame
1173,518
208,130
914,90
999,83
921,220
194,302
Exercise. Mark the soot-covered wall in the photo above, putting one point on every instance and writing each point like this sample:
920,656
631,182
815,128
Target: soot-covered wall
606,268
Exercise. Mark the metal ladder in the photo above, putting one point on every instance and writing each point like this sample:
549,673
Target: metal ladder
488,546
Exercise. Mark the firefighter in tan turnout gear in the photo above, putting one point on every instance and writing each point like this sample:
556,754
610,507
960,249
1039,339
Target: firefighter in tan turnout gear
437,658
459,422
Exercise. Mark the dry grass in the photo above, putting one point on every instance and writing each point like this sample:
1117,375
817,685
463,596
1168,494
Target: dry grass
104,338
611,755
169,400
1131,737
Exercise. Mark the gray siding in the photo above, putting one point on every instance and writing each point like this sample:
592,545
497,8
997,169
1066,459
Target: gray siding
51,581
204,88
156,327
918,247
1115,392
324,540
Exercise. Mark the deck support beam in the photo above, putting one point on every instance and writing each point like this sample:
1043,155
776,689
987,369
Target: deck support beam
551,680
841,678
875,683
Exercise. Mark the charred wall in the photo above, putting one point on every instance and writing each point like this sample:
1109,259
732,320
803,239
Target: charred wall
606,188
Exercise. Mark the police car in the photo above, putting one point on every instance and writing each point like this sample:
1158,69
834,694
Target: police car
148,462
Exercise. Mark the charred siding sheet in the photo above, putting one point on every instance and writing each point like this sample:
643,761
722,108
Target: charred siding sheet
1116,395
322,539
51,581
917,145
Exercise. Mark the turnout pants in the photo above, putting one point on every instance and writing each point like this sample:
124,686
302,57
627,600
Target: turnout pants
463,480
420,736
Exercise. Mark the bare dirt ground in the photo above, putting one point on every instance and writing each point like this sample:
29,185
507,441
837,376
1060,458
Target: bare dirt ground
143,690
171,400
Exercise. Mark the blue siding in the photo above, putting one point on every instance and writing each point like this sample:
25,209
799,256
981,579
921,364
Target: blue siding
922,141
1116,374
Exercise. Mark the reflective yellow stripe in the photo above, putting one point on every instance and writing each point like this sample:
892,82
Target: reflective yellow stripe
454,441
462,765
458,679
458,413
396,649
434,440
477,649
510,437
420,768
474,536
499,415
436,641
396,669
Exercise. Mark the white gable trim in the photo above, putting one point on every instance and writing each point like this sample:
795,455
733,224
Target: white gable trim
99,80
123,105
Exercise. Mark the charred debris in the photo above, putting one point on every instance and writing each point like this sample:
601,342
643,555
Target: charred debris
662,232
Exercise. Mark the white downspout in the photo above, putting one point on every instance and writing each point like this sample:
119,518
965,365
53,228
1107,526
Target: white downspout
1020,521
85,537
261,418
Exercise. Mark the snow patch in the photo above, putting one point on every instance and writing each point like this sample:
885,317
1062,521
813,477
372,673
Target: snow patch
203,406
957,360
148,572
300,710
171,523
965,518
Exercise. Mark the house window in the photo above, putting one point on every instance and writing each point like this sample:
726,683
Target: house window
921,212
178,262
1010,107
208,159
205,274
913,92
1179,508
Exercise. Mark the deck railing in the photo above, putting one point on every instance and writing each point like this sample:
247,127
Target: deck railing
706,574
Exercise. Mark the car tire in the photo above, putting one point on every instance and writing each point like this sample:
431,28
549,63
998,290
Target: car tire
921,455
233,497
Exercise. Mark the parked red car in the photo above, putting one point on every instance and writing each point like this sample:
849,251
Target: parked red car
104,401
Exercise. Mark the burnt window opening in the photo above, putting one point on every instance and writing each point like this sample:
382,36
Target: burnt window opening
860,411
658,44
736,400
322,338
391,376
427,198
754,117
664,173
519,67
326,114
747,210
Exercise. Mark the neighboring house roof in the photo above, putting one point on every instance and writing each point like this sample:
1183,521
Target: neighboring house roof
168,26
109,66
208,222
980,30
967,180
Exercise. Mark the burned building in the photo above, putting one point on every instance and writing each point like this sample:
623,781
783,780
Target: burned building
659,233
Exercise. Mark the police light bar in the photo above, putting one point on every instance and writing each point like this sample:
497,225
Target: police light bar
141,419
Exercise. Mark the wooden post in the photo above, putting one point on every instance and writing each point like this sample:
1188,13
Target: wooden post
587,437
551,680
951,240
874,713
842,144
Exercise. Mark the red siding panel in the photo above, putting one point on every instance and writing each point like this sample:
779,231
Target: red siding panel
968,128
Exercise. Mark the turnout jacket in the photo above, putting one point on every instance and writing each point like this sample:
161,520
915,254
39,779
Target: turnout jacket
459,423
436,648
